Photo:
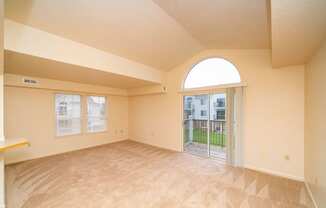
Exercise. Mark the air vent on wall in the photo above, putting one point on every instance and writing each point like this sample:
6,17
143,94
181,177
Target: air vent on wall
30,81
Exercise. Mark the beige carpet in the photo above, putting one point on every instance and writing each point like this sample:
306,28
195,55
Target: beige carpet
130,174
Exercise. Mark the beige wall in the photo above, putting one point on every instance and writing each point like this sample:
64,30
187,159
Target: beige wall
2,185
273,108
29,113
315,136
21,39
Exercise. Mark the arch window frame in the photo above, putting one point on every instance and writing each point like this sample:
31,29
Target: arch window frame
222,84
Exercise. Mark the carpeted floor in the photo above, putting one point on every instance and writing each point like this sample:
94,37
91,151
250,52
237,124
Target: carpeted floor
130,174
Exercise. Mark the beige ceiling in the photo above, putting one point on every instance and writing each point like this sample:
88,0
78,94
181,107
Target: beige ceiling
138,30
164,33
298,28
227,24
17,63
160,33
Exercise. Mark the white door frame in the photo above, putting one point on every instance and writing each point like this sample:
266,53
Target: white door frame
234,115
208,93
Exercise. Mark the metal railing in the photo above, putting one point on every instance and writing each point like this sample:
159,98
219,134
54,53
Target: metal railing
195,130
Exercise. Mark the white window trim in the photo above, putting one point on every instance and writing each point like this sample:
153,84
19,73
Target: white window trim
56,120
105,116
83,115
204,66
211,89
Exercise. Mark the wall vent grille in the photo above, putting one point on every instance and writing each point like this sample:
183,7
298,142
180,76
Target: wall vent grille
30,81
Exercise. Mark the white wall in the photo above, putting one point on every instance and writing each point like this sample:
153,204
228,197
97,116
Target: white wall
273,108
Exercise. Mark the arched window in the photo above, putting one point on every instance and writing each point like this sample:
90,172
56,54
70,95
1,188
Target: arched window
212,72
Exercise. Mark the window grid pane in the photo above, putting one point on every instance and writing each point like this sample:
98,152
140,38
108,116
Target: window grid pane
68,119
96,114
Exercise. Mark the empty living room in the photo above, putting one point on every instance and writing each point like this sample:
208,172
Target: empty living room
162,104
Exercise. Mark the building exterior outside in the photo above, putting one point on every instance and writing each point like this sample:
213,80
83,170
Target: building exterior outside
201,118
196,107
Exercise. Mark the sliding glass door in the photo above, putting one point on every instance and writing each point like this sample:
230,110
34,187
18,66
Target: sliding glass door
205,125
217,129
196,115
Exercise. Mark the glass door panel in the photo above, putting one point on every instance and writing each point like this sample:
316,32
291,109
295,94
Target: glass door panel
196,115
217,130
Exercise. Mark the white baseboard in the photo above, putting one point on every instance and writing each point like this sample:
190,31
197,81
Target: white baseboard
271,172
310,194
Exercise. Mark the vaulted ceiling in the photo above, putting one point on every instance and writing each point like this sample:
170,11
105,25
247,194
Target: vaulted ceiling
164,33
298,29
160,33
138,30
228,24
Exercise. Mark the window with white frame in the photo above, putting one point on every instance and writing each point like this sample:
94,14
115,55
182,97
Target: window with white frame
68,111
96,113
212,72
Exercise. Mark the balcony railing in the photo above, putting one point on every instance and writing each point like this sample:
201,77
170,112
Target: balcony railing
195,130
